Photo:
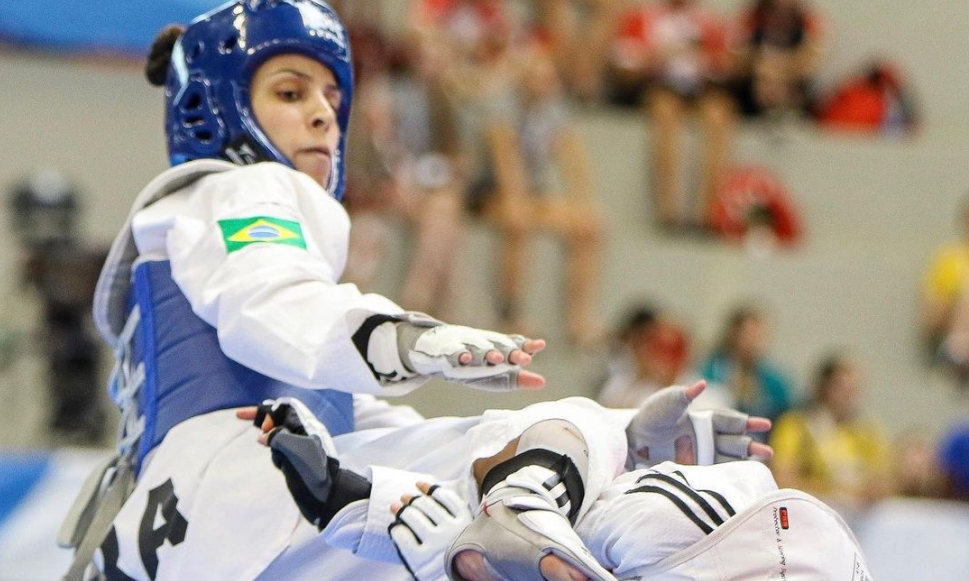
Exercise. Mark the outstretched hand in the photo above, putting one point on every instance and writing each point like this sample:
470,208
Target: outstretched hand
478,358
754,425
664,429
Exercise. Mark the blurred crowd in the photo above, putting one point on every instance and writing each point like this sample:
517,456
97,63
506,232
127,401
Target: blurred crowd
465,112
824,442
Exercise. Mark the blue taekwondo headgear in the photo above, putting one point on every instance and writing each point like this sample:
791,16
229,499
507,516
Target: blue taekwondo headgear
208,106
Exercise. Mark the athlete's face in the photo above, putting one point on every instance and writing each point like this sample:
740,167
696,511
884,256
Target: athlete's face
295,99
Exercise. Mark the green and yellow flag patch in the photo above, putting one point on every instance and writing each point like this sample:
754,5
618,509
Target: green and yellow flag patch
239,233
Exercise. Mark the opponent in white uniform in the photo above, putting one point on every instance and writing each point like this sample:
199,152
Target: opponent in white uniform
221,290
443,450
671,521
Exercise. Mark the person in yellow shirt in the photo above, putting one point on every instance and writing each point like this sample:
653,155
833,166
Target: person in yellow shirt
943,285
828,448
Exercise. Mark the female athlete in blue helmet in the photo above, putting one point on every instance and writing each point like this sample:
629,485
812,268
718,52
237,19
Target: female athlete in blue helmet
221,291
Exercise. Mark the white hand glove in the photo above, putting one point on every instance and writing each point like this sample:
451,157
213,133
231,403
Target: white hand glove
433,349
715,436
425,528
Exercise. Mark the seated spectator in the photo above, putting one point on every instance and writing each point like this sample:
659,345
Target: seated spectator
653,353
578,33
776,56
943,295
542,183
874,101
407,163
954,461
829,448
740,363
671,56
916,469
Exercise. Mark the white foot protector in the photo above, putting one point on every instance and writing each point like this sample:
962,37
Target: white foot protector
519,523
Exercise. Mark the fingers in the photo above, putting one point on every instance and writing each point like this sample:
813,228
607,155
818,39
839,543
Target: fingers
694,391
728,421
533,346
733,446
247,414
494,357
519,357
553,568
758,424
471,565
530,380
761,451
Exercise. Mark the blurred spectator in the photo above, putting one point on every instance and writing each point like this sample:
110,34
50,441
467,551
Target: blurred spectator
829,448
406,163
653,352
876,101
474,31
944,314
543,183
671,56
578,33
916,468
954,461
740,363
776,56
45,210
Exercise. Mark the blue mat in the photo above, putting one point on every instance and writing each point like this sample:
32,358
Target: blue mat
18,475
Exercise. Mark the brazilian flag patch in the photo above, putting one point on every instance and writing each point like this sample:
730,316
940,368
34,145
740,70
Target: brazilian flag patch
240,233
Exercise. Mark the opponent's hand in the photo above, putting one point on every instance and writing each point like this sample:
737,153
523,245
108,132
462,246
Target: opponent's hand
425,527
290,414
481,359
303,452
664,429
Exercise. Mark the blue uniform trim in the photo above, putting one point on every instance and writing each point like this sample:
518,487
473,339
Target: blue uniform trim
186,372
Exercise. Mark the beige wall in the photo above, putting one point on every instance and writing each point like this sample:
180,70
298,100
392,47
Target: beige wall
874,210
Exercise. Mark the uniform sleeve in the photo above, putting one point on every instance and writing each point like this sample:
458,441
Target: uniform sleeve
370,412
258,252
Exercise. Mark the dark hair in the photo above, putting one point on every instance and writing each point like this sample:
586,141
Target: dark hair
160,54
636,318
827,369
740,315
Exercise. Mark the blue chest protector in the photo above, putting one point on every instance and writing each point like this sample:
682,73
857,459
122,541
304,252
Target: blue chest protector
170,368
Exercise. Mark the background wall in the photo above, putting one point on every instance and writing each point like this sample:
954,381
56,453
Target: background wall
874,210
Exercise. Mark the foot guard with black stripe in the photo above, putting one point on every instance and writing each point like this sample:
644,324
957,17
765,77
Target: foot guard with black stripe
522,519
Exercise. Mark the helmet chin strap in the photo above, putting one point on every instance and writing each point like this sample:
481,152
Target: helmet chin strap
333,180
